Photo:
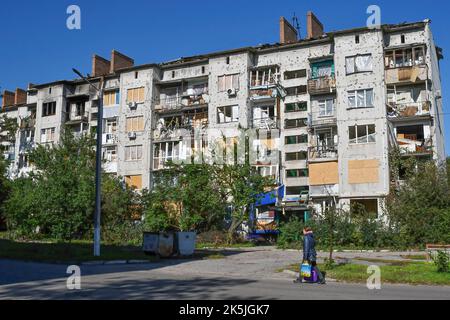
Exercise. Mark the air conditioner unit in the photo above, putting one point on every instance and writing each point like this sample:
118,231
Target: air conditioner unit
232,92
132,135
132,105
158,107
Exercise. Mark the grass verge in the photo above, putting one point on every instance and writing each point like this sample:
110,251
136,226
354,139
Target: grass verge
414,273
82,251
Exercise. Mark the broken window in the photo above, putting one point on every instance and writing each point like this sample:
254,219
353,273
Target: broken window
361,134
296,190
110,154
228,81
47,135
360,98
296,106
326,108
264,112
294,91
264,76
295,74
49,109
406,57
228,114
293,156
133,153
358,63
295,123
322,69
165,151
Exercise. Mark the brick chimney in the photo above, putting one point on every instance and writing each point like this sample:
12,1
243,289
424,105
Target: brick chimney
288,33
314,26
20,97
100,66
8,98
120,61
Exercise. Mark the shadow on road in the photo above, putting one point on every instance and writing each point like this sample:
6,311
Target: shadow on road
162,288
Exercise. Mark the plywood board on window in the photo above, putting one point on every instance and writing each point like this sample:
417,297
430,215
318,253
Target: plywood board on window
363,171
134,181
323,173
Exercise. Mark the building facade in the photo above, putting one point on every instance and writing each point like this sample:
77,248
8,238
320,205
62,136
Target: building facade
327,109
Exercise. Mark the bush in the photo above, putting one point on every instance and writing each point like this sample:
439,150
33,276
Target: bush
442,261
128,233
291,234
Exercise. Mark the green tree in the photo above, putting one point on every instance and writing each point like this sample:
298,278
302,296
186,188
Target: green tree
59,192
241,185
420,207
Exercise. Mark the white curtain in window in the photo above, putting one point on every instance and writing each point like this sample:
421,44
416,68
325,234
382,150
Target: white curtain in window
350,65
369,98
352,99
324,71
363,63
360,99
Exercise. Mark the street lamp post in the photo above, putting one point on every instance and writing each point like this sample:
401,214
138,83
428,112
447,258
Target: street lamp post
98,163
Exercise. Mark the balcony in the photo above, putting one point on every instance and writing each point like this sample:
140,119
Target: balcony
407,74
323,119
323,153
266,123
77,118
191,98
109,139
26,146
322,85
408,109
170,131
410,144
327,190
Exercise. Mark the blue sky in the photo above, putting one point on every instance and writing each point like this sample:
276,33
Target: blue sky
37,47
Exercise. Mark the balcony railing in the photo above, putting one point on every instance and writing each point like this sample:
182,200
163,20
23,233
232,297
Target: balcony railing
266,123
408,109
75,117
407,74
322,85
410,145
323,119
323,152
178,130
180,102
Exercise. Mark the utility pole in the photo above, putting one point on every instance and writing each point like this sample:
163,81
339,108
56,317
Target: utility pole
98,162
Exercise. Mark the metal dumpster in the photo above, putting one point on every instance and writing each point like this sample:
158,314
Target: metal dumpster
165,246
185,243
150,243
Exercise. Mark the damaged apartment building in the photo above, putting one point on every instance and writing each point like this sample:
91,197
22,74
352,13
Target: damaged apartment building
338,102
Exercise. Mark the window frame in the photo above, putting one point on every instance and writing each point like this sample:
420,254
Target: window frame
357,138
49,106
133,125
233,120
354,94
226,84
138,153
354,57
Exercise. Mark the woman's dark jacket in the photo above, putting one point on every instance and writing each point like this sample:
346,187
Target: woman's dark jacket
309,250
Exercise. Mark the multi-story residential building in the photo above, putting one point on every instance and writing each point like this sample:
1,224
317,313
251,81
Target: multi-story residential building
328,109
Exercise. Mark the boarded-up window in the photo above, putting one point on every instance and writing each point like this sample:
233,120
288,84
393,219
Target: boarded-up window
135,124
135,95
228,81
134,181
111,98
323,173
363,171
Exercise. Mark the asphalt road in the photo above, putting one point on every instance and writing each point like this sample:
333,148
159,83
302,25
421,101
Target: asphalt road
183,280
